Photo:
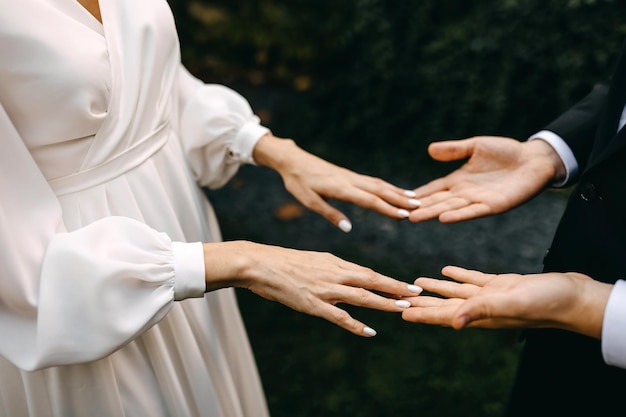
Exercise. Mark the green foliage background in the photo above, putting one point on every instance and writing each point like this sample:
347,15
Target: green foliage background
393,75
368,84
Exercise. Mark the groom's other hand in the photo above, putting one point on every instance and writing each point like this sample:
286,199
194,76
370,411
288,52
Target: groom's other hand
500,173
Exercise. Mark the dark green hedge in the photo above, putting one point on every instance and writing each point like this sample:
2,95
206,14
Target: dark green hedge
371,82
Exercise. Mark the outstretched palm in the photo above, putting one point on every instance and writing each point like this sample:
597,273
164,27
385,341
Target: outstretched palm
501,173
569,301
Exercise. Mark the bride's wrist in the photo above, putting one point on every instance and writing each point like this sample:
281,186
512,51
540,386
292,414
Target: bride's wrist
226,264
274,152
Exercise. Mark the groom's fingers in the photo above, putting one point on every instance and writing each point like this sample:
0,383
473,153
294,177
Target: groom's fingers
434,186
448,289
428,301
436,198
431,212
472,211
468,276
451,150
430,315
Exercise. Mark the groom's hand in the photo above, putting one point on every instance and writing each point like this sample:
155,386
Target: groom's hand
568,301
500,174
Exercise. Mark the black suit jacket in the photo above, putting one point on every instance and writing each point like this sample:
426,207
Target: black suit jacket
562,373
590,126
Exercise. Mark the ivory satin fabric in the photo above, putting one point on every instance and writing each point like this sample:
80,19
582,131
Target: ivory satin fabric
105,140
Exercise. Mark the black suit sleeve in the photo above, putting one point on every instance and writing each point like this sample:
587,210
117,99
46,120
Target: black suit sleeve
579,124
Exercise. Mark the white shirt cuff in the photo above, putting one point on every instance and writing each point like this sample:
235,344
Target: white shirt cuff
564,152
243,145
614,327
189,270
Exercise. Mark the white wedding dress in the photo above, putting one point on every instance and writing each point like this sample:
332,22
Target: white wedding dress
105,140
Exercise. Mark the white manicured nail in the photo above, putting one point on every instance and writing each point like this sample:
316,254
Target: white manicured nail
403,213
345,225
409,193
414,202
403,303
415,288
369,331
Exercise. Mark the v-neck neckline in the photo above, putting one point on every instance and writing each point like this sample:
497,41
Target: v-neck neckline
89,19
90,12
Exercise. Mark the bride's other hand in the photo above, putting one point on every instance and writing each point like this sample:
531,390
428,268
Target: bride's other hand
313,181
310,282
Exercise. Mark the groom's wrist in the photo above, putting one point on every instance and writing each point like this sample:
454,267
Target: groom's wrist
554,163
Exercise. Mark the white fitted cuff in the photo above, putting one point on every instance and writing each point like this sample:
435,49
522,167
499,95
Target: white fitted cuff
247,137
189,270
564,152
614,327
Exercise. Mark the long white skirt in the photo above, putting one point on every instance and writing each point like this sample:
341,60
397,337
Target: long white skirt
196,362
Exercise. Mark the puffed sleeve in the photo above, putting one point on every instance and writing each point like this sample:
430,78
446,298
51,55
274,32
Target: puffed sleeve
70,297
217,128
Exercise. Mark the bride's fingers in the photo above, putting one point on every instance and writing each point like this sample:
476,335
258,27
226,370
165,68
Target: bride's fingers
317,204
356,276
360,297
396,196
343,319
371,201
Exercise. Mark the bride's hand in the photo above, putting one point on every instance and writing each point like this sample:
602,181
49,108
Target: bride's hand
313,180
309,282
